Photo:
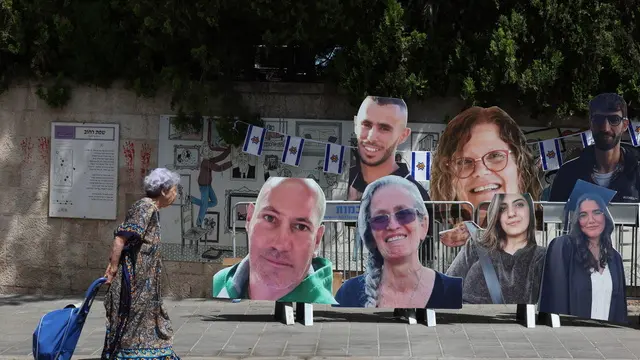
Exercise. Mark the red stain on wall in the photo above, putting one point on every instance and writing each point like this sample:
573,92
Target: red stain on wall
27,149
129,151
145,159
44,148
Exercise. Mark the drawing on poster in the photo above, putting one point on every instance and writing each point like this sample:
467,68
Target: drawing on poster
186,157
184,190
323,131
272,166
63,168
424,141
244,165
240,213
213,136
275,137
192,135
211,223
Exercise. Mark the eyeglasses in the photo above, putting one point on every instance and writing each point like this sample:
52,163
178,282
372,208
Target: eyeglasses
403,217
495,160
614,120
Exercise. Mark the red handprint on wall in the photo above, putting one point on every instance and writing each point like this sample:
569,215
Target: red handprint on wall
129,151
27,148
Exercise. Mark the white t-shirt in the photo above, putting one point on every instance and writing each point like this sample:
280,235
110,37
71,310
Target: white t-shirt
602,179
601,290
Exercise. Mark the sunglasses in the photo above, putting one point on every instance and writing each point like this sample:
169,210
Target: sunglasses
403,217
614,120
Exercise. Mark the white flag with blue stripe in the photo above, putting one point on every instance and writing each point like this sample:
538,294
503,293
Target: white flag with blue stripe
254,140
421,165
634,132
333,156
550,154
292,151
587,138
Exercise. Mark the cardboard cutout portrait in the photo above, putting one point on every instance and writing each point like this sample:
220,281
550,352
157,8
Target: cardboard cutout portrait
392,222
482,152
584,274
501,264
608,122
284,233
380,126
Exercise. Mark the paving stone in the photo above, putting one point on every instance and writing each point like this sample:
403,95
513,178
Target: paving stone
215,329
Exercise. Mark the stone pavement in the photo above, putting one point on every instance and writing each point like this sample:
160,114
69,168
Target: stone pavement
216,329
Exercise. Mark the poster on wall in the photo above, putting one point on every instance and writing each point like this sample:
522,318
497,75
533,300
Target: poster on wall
84,170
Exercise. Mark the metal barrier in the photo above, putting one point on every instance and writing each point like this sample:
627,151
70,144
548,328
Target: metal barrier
341,245
624,238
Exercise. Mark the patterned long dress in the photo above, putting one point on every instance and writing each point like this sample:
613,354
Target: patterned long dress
138,325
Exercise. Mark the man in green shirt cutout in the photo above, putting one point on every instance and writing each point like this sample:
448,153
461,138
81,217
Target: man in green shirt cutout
284,229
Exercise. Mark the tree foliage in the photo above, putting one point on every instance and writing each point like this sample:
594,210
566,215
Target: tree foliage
549,56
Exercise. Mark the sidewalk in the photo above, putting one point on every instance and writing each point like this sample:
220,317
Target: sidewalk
215,329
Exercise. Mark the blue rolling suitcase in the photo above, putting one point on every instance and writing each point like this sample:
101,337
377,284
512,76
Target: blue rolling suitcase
58,332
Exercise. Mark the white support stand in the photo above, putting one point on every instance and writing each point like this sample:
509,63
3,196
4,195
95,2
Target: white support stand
304,313
555,320
527,312
284,312
411,316
431,317
552,320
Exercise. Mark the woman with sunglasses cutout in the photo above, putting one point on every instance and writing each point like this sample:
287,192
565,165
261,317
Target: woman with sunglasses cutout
392,222
509,243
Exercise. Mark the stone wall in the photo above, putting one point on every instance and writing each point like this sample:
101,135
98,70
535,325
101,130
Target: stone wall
42,255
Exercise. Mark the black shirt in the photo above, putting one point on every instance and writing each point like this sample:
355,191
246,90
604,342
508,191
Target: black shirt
626,183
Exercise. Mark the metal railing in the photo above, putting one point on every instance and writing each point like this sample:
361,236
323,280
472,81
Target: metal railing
342,246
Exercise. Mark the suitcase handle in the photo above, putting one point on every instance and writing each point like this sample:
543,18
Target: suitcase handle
91,294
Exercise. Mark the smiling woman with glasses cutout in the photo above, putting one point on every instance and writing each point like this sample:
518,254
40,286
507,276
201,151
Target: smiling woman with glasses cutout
482,152
392,222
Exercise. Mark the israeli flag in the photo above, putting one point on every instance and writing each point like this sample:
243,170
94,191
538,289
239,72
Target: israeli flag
254,140
333,156
292,151
550,154
421,165
634,132
587,138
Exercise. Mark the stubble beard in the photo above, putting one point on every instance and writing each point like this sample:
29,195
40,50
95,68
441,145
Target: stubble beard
603,145
389,152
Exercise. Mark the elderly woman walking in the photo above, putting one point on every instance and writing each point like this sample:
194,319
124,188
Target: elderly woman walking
138,325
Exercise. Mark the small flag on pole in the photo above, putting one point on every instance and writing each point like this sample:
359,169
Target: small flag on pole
550,154
292,151
333,156
421,165
254,140
634,132
587,138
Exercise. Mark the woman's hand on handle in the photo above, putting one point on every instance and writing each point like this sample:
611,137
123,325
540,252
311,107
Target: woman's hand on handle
114,259
110,273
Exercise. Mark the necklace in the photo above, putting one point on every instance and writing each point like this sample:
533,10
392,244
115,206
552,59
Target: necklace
415,288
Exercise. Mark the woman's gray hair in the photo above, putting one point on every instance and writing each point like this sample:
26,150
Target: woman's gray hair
160,180
375,262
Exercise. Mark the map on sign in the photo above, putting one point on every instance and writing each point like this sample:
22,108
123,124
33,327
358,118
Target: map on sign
63,168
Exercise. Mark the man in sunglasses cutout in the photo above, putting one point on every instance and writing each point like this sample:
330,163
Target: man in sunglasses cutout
607,163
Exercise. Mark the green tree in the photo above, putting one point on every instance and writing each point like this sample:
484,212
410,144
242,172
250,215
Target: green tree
548,56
